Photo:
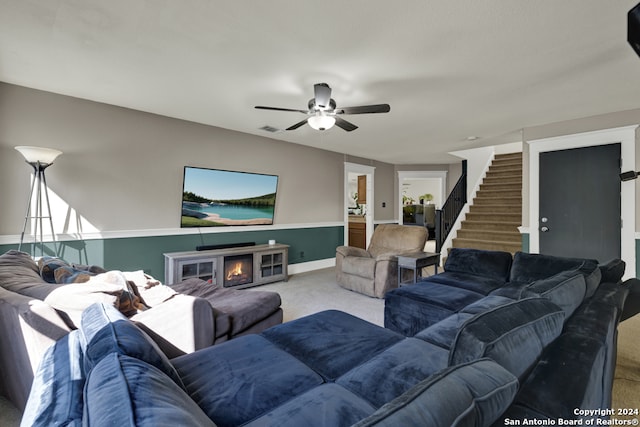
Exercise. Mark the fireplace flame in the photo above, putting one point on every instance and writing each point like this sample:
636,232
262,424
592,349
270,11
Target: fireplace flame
234,271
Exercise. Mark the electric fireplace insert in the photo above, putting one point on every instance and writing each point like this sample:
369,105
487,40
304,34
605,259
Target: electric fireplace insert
238,270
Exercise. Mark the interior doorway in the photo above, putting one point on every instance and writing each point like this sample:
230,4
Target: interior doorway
418,189
358,209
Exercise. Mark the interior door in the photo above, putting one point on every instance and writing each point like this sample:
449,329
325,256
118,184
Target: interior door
580,207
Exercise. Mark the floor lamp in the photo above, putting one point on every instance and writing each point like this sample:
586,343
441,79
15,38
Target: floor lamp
39,158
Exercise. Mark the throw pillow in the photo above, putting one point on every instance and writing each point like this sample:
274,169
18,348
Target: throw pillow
48,266
566,289
490,264
514,334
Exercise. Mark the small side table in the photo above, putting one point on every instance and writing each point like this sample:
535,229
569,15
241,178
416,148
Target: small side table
416,261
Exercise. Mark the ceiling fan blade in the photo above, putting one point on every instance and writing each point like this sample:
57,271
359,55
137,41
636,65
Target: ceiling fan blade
342,123
365,109
322,93
260,107
297,125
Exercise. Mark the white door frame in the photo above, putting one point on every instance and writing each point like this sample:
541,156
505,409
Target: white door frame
626,137
441,175
369,171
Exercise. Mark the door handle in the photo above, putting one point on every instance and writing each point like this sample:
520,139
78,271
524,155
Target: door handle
544,229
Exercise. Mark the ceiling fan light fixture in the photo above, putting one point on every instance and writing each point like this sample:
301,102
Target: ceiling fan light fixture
321,121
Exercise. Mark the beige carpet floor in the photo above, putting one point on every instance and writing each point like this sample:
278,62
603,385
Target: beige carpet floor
9,415
315,291
626,385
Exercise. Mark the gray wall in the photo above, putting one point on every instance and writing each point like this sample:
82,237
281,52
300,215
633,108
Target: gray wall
121,169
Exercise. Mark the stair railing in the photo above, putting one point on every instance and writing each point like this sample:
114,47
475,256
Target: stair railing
446,217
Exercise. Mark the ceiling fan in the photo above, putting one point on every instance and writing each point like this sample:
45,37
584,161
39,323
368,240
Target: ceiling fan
323,113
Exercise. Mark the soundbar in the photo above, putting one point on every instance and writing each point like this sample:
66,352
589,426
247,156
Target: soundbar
224,246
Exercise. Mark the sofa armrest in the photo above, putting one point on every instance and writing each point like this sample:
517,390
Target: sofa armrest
352,251
28,327
180,325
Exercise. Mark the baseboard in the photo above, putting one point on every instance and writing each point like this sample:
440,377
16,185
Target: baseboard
303,267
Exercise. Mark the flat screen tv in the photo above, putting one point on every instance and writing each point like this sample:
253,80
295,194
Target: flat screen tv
218,198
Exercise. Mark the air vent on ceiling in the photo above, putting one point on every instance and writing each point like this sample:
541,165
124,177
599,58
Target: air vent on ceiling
271,129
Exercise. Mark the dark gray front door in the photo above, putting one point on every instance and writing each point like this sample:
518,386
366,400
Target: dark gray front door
580,202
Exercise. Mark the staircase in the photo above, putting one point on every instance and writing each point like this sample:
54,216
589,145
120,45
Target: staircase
496,212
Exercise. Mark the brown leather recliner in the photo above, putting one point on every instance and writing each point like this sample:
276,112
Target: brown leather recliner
375,271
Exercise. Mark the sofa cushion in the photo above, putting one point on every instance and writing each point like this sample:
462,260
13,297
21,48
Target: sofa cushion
17,265
125,391
105,330
486,303
237,381
490,264
480,284
328,405
566,289
410,309
473,394
244,308
528,268
394,371
443,333
612,270
514,334
56,392
331,342
19,273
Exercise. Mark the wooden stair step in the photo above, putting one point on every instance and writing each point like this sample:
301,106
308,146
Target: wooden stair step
504,167
472,216
487,245
500,179
485,193
497,178
497,201
490,225
496,209
506,156
506,164
501,186
492,235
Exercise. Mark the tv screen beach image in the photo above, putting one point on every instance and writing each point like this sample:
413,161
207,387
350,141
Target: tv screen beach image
215,198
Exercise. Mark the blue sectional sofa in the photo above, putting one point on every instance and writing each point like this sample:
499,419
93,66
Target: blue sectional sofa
500,350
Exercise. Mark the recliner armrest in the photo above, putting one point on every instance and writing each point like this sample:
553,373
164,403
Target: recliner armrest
352,251
387,257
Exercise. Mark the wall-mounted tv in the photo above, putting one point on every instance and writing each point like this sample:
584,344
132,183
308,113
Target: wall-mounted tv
217,198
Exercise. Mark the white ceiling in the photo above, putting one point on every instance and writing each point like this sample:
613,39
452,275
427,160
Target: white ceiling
450,69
